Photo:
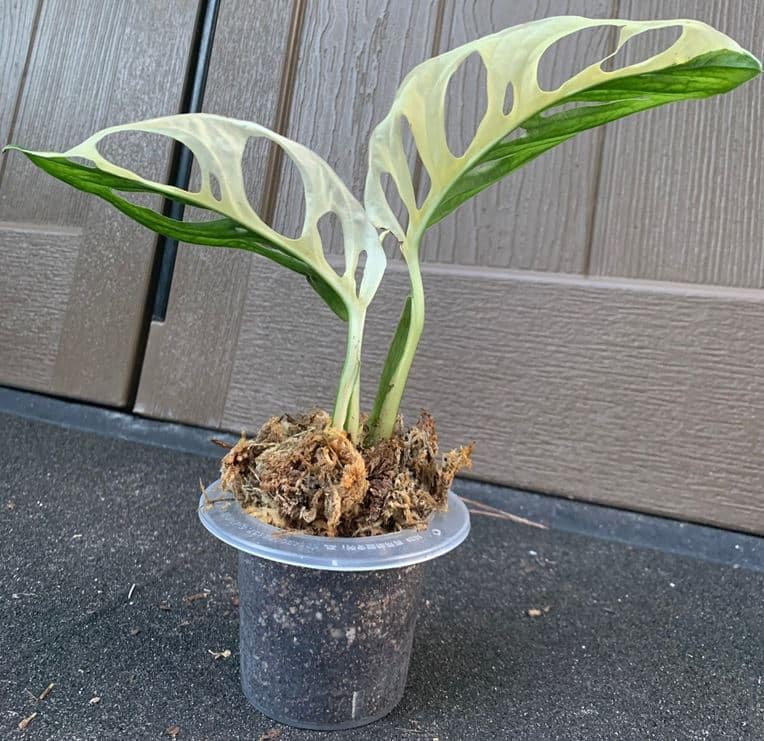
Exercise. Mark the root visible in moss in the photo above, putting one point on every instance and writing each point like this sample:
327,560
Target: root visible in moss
303,474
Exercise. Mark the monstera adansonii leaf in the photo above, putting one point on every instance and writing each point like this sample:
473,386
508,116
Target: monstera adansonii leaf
218,145
700,63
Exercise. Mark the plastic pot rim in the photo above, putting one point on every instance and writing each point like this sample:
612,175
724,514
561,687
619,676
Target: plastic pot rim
228,522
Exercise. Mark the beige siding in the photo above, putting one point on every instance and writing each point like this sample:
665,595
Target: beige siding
96,265
593,322
682,192
539,219
189,356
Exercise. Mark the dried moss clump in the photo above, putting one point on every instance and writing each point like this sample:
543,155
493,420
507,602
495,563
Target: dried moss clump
303,474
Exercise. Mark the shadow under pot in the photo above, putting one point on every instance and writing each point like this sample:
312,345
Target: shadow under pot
326,625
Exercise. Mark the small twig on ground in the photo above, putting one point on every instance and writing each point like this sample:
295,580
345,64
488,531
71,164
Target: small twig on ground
270,735
24,722
46,691
130,592
489,511
189,598
221,443
226,654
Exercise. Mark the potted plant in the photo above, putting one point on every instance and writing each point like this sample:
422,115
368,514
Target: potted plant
335,514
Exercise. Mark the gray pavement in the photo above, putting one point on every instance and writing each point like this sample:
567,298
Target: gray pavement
654,629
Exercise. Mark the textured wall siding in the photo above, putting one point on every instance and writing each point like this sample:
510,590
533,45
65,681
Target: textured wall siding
594,322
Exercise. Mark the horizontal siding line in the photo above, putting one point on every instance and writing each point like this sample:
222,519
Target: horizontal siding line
22,226
635,285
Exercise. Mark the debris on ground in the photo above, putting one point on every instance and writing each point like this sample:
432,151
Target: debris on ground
191,598
134,631
172,731
24,722
226,654
535,612
235,600
479,508
94,700
46,692
165,605
303,474
270,735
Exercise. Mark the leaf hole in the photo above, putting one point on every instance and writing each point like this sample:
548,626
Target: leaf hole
417,171
254,165
642,47
84,161
509,99
466,103
330,229
568,56
217,193
391,246
360,270
146,154
409,147
517,133
289,213
193,213
570,106
145,200
394,200
289,209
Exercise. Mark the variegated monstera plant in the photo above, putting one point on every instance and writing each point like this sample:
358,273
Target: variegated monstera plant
700,63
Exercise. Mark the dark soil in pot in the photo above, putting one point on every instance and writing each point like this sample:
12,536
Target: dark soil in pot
325,649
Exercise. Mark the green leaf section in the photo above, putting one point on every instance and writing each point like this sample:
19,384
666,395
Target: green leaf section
706,75
392,361
224,232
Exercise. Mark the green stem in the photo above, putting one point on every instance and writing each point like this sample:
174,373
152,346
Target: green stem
353,423
394,393
350,377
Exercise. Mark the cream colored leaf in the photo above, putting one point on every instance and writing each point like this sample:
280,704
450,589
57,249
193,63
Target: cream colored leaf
218,145
511,58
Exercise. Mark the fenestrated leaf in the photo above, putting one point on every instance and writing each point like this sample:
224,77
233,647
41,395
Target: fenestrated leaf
708,75
700,63
218,144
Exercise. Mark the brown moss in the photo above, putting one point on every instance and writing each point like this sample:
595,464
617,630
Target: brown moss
302,473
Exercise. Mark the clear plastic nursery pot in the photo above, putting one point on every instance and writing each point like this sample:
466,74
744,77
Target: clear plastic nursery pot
327,624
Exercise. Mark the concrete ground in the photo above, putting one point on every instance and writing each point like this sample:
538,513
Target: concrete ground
114,593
